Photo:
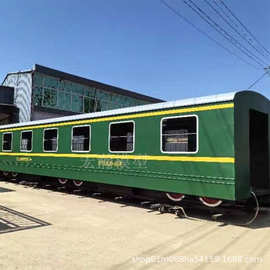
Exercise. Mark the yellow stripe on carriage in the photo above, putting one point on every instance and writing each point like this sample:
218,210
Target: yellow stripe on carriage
134,157
127,116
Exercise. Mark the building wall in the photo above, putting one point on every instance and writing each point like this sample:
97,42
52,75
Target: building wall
56,93
39,115
22,83
43,93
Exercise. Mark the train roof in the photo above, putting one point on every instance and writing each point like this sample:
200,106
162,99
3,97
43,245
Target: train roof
142,108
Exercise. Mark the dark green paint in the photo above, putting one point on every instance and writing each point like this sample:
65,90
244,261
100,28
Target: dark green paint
222,133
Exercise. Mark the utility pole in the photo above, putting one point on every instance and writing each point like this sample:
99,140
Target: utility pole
267,71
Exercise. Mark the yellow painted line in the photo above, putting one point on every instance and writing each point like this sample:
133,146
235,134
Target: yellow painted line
130,116
134,157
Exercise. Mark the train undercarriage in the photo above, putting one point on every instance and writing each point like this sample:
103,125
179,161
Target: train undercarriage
228,212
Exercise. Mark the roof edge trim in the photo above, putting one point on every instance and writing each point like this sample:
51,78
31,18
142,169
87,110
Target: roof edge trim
136,109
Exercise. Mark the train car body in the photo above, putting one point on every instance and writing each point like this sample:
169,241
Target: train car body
215,146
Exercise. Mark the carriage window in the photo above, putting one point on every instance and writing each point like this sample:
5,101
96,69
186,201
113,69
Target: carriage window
26,141
7,142
122,137
81,139
50,140
179,134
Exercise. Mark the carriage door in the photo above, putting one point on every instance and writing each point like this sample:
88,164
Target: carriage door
259,153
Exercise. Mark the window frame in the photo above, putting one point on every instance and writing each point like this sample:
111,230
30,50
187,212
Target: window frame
53,151
197,134
90,133
3,141
109,137
31,141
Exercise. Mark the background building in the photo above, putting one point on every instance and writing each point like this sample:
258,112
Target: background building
43,92
9,113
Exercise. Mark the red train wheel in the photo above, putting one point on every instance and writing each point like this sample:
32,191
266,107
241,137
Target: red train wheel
176,197
210,201
62,181
77,183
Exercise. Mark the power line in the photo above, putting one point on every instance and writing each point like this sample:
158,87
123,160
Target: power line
178,14
204,16
237,24
230,11
260,78
233,27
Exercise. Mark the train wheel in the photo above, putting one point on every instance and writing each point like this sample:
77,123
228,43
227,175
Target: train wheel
62,181
77,183
210,202
6,174
176,197
14,174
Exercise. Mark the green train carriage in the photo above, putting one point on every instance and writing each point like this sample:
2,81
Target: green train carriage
210,147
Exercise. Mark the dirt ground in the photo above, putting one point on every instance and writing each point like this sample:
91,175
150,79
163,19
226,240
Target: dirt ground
44,229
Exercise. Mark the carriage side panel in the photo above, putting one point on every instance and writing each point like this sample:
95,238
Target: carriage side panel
208,172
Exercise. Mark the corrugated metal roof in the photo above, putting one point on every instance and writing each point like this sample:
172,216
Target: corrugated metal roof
136,109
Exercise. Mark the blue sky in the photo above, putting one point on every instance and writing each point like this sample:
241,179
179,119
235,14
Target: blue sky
134,44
